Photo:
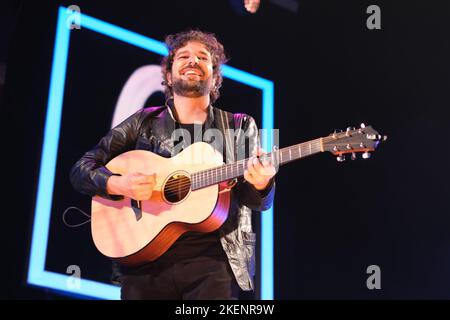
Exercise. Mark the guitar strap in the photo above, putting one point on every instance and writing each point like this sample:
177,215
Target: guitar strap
226,125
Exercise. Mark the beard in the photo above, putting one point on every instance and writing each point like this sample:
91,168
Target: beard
191,88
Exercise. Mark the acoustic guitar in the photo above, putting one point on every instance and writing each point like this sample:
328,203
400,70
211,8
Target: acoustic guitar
192,193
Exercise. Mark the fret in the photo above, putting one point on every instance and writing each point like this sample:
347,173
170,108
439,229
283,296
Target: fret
218,174
210,176
205,175
290,154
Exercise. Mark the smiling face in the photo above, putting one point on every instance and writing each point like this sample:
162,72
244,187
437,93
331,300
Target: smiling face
192,71
203,54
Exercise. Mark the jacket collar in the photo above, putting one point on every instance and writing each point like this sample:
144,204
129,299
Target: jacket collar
209,123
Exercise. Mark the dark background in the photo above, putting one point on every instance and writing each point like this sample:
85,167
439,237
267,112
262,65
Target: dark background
332,220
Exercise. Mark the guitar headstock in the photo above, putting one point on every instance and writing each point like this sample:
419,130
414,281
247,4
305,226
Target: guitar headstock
352,141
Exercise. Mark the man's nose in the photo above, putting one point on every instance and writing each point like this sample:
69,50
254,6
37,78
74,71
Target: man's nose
193,60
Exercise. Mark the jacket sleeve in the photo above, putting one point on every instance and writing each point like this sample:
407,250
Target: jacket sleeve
89,174
247,194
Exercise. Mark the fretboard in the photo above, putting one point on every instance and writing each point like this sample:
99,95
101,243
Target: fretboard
205,178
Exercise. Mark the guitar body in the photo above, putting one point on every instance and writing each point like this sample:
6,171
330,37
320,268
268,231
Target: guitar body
135,232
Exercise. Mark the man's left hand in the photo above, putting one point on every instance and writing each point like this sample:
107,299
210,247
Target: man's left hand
257,173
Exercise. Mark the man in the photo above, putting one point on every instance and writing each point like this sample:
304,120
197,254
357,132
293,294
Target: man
215,265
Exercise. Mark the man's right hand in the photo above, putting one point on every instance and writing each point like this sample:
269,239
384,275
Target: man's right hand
135,185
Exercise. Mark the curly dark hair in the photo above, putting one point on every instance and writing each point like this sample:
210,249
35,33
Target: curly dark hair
215,48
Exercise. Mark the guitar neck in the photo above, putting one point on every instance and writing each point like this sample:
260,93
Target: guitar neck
206,178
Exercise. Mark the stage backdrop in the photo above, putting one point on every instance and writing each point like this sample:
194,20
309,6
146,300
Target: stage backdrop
338,227
101,74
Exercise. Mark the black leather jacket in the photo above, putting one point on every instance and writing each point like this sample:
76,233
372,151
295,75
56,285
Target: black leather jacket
151,129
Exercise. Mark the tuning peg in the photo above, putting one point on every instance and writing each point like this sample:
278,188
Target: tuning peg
334,134
363,125
340,158
366,155
353,157
347,132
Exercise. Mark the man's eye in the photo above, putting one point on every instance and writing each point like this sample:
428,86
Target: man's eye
203,58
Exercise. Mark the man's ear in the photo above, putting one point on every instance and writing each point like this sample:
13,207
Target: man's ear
169,78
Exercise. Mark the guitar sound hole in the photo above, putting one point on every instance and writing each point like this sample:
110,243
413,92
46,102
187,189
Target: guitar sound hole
177,187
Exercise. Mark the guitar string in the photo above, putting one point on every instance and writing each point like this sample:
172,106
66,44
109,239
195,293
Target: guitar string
174,184
175,187
283,151
216,176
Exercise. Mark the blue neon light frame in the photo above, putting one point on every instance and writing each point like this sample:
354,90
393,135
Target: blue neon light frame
37,275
